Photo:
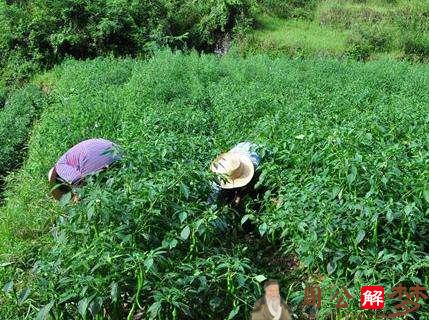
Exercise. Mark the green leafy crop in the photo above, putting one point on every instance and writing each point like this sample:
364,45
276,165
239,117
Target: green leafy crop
344,176
16,116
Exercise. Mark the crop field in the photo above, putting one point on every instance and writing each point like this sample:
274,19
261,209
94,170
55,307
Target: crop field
343,202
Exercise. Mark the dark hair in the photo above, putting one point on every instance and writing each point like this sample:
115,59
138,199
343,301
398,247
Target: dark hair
65,188
270,283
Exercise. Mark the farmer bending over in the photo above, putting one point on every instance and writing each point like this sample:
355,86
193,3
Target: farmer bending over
235,170
87,157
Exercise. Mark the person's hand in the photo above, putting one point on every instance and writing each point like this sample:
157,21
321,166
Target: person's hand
75,198
237,200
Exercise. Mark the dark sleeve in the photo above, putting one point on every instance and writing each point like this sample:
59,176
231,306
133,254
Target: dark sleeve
214,195
227,196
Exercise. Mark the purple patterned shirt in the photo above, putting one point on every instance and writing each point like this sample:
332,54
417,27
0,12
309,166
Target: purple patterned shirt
89,156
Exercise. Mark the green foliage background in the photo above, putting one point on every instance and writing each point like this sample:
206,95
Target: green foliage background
38,33
344,174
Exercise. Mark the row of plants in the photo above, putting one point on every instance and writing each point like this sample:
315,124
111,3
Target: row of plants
17,113
35,35
343,188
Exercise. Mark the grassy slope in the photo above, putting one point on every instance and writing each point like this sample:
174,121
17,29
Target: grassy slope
298,37
345,177
363,30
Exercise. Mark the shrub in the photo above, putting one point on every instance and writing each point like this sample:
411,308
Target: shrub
368,39
414,21
206,22
417,47
44,33
340,15
412,17
16,70
399,28
343,178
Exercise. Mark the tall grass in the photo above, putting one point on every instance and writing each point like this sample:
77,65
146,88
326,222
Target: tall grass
362,30
381,26
294,37
344,180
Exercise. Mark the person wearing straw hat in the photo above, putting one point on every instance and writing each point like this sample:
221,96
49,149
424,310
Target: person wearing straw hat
235,171
85,158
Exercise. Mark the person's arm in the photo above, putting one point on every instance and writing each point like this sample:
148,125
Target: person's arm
75,197
240,193
214,195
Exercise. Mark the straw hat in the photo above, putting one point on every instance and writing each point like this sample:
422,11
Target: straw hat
235,169
52,175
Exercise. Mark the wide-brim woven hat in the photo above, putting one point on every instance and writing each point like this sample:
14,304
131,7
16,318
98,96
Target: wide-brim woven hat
234,169
52,174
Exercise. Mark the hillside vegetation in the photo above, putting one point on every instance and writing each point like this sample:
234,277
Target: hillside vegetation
344,196
37,34
362,30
